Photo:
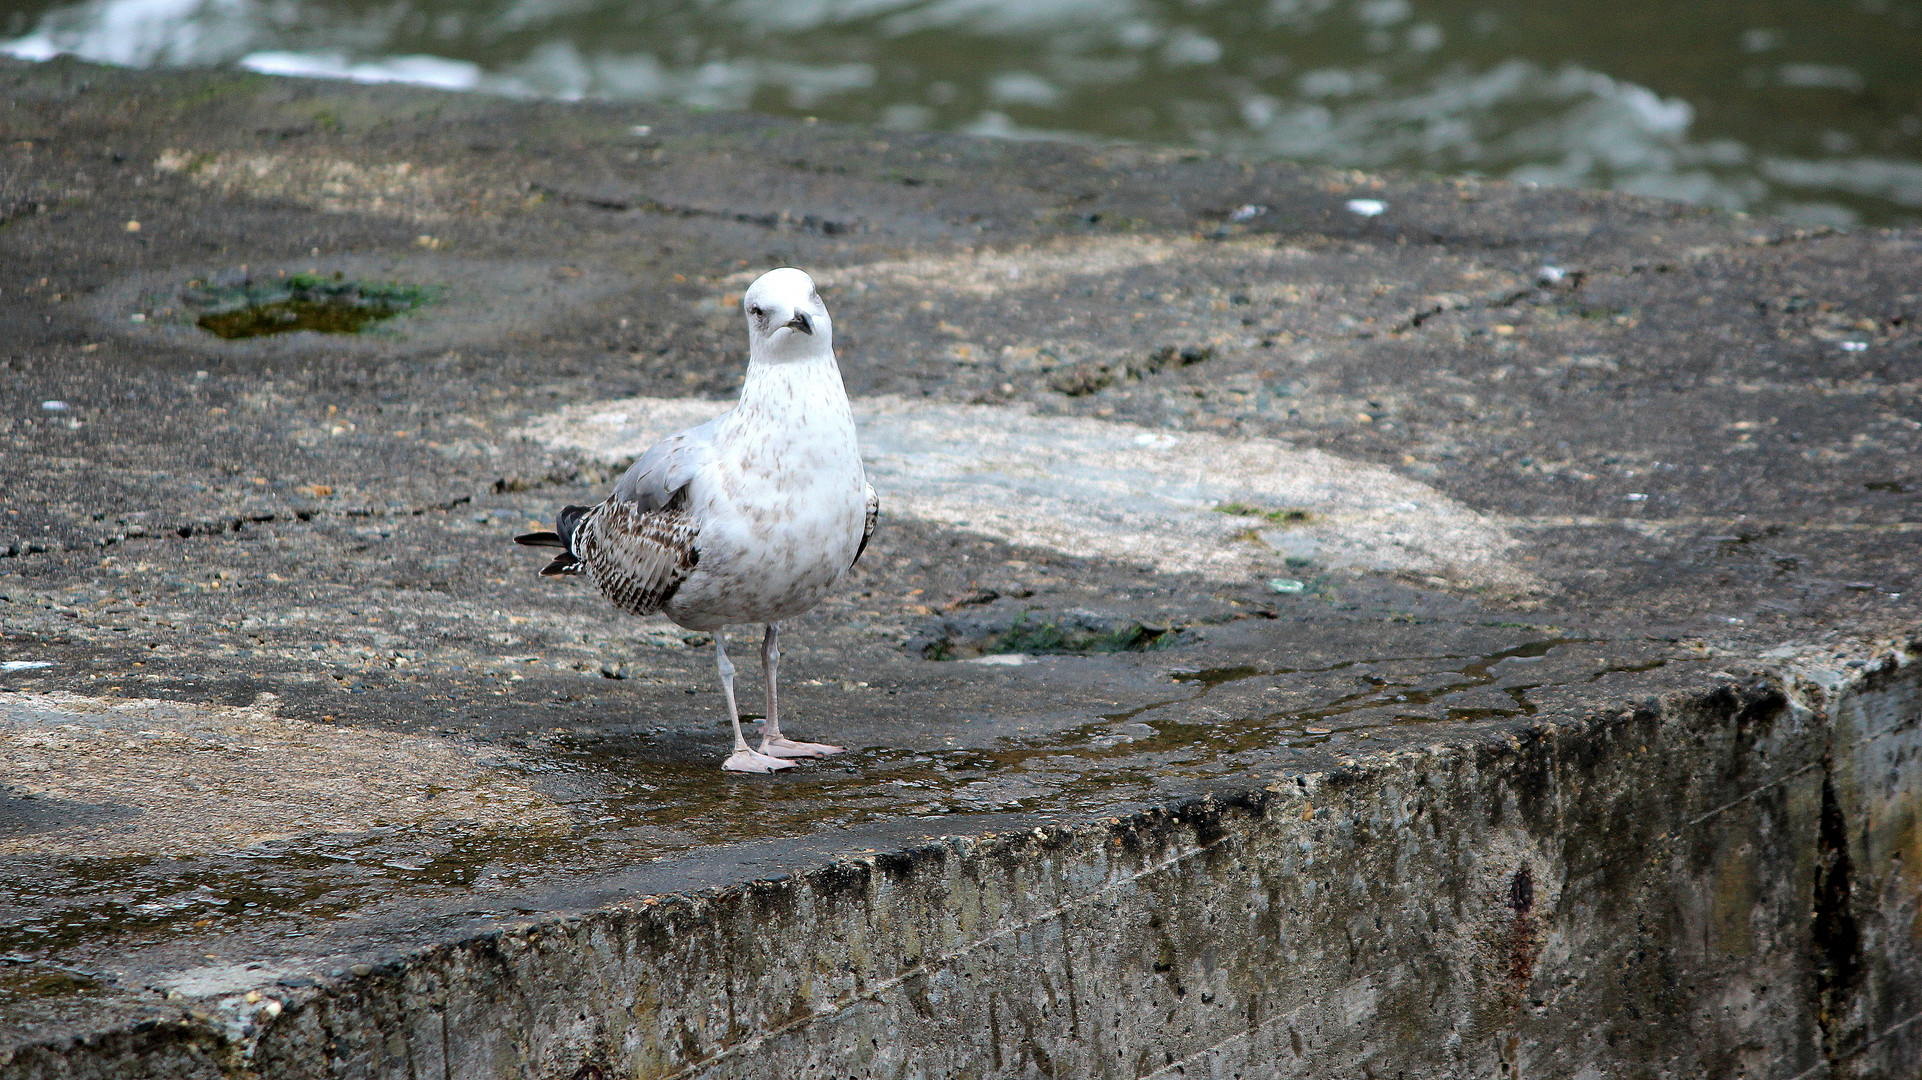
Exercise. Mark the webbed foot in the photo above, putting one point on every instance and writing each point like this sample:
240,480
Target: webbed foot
781,747
751,761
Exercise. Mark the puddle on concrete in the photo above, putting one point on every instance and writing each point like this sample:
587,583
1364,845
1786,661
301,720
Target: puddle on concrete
78,901
1389,695
21,979
1388,698
1211,677
234,307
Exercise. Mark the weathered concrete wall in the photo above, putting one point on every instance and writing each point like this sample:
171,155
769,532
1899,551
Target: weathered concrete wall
1720,884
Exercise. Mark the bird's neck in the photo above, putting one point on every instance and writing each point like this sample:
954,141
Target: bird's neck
802,385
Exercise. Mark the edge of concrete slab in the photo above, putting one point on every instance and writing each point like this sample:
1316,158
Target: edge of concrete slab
1464,906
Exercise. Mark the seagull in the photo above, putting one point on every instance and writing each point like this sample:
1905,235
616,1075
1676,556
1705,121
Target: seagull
751,517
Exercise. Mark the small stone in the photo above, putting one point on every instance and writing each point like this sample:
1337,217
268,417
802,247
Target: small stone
1367,207
362,969
1285,585
1079,380
133,226
54,406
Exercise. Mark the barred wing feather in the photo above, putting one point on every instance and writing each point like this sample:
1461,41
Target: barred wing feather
637,557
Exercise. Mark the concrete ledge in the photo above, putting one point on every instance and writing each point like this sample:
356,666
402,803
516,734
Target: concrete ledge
1719,883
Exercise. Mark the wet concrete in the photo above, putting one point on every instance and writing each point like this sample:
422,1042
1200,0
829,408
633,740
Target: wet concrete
1608,497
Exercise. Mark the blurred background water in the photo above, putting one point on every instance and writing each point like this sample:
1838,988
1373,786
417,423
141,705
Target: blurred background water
1812,110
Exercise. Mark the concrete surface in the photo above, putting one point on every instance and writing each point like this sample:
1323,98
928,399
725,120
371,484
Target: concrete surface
1591,555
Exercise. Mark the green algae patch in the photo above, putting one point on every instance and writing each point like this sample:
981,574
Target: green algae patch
326,304
1282,516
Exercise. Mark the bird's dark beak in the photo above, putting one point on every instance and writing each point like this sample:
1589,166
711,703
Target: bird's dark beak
801,322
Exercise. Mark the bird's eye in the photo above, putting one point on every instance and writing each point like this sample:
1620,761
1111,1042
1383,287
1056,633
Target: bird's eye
756,312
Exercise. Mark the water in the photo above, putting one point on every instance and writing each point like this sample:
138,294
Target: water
1813,111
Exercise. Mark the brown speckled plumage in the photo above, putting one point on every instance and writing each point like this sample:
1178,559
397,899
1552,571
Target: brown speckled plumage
637,557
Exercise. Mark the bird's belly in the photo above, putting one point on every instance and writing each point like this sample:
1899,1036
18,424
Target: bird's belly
771,561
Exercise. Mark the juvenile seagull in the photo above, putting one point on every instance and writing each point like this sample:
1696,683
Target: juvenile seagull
750,517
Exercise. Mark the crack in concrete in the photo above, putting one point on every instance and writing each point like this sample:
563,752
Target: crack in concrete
1574,280
779,220
230,526
1834,936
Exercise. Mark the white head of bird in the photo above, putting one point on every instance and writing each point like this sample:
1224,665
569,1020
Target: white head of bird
786,320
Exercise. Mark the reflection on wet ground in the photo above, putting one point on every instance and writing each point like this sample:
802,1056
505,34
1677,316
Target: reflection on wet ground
1813,111
640,794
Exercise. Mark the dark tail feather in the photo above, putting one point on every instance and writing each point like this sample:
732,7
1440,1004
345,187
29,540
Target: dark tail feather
568,521
562,537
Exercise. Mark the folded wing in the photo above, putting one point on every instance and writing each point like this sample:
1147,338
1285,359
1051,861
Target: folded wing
660,475
639,545
637,557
